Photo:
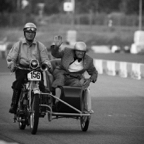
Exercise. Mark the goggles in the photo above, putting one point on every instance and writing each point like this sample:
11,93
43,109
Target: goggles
30,29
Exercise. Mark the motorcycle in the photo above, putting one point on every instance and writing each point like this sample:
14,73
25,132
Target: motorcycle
28,111
34,104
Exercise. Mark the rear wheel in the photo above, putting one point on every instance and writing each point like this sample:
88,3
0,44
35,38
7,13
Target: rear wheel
22,124
34,115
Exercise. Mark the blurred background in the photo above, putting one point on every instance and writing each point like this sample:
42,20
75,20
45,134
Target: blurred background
107,26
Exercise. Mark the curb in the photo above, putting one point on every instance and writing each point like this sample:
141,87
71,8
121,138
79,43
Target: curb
122,69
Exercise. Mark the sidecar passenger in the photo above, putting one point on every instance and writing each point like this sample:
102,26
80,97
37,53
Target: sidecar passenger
72,95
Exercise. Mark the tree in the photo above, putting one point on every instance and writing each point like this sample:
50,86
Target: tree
53,6
132,6
82,6
7,5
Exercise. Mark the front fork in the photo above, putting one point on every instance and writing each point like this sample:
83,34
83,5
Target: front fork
33,89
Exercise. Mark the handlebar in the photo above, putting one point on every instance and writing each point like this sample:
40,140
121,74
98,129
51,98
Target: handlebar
22,68
30,69
42,68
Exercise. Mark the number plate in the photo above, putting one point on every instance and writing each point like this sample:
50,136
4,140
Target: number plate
34,76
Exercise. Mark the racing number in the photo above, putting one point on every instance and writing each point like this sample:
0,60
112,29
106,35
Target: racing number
35,74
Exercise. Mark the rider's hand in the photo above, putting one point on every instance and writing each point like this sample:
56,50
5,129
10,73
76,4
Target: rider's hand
47,65
11,66
58,40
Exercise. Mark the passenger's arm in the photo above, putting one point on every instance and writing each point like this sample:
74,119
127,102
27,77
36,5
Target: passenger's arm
56,47
92,72
56,51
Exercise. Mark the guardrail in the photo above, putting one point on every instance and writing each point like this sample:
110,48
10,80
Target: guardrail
122,69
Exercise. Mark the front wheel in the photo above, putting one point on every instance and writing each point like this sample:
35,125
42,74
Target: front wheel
34,115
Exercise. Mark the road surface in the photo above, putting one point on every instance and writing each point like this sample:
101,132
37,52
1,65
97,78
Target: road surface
118,119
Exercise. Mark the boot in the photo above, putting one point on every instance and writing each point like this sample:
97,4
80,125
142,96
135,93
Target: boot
14,103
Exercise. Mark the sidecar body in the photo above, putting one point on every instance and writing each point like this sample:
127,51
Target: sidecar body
71,103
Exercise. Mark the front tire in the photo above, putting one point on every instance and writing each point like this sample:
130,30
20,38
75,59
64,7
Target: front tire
34,115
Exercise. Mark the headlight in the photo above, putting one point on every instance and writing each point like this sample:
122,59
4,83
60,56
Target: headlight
34,64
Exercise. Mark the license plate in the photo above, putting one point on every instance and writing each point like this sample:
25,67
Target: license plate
34,76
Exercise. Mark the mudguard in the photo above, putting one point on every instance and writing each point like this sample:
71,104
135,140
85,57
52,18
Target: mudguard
36,91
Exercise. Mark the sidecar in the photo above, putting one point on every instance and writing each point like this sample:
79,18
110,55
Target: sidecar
71,103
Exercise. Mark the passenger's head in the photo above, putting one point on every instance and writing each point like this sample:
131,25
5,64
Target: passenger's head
80,49
30,31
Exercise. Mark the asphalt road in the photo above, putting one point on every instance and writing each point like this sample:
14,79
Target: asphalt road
118,119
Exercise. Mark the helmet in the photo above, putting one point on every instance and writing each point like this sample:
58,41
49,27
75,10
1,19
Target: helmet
81,46
30,27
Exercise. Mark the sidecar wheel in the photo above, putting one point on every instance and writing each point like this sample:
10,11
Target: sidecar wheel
84,121
34,115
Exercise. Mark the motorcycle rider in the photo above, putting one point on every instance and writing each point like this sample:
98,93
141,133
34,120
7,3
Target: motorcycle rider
21,54
74,62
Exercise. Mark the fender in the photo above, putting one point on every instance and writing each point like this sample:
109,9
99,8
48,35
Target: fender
36,91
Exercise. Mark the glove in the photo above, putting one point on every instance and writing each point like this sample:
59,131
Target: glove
49,65
58,40
11,66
